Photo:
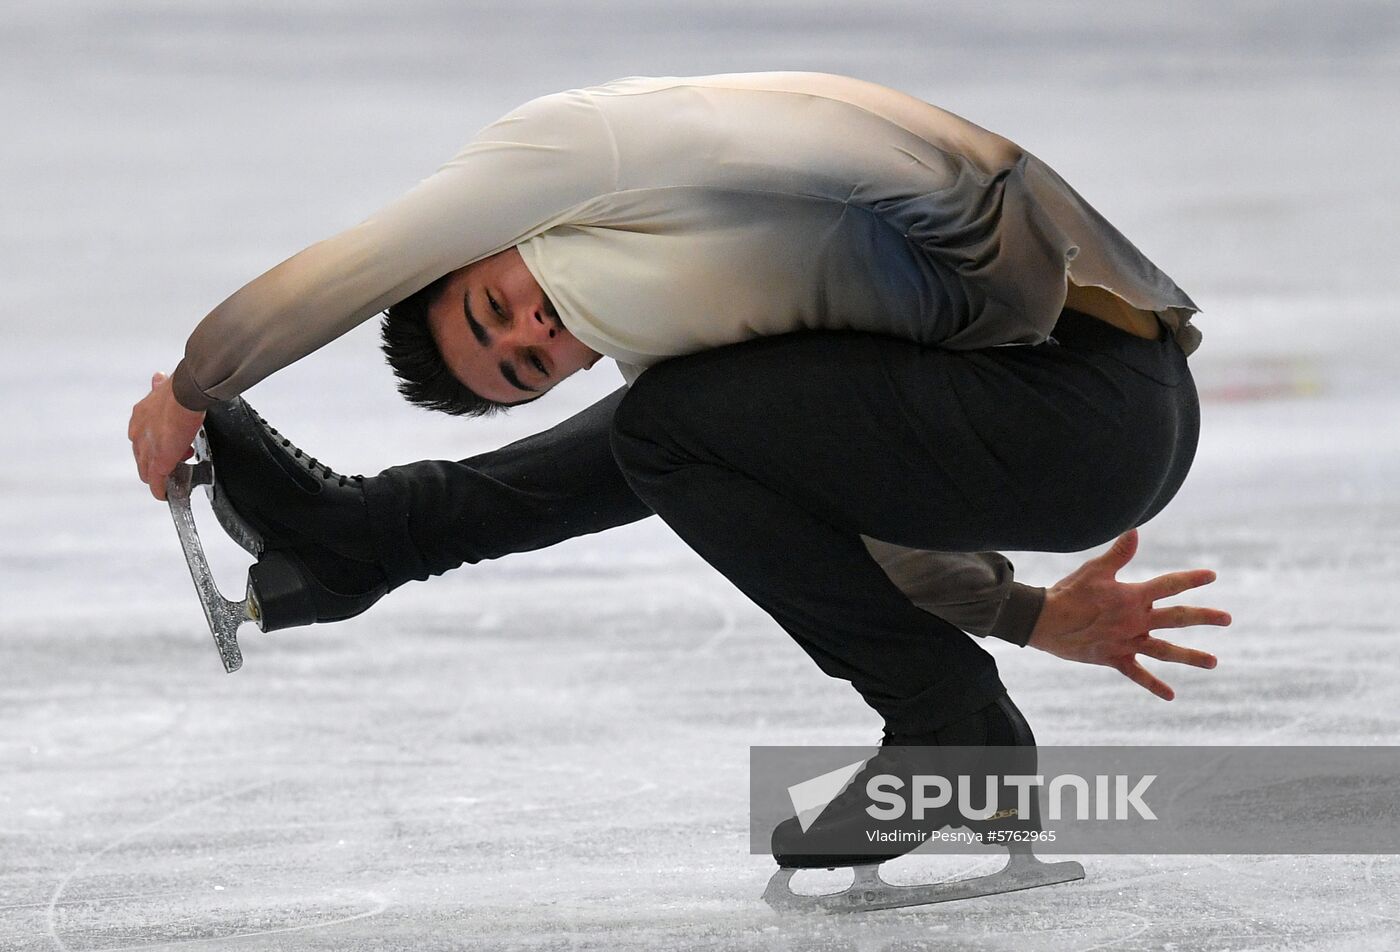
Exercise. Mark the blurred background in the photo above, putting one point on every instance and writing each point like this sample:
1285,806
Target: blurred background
158,155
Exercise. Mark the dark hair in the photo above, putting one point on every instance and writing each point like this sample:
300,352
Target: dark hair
424,377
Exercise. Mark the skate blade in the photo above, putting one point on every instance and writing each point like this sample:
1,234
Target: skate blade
869,892
224,616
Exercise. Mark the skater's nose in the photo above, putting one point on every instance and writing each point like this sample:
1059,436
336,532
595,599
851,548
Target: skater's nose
531,327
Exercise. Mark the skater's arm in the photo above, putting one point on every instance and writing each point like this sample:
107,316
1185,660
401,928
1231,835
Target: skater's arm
974,590
516,178
1091,617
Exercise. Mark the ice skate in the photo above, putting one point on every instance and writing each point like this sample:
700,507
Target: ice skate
304,523
224,615
819,847
869,892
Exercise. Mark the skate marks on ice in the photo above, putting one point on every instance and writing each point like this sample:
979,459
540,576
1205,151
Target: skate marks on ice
1131,903
103,922
38,725
438,740
414,736
110,927
1180,906
1251,902
421,767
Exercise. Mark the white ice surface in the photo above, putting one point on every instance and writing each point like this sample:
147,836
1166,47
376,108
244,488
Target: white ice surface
551,751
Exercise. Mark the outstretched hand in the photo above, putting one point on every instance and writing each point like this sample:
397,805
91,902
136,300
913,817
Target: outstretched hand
1092,617
162,434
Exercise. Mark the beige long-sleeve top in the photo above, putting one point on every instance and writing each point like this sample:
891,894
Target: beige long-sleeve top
668,215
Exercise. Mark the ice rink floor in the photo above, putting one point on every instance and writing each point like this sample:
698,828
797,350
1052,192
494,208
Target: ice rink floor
551,751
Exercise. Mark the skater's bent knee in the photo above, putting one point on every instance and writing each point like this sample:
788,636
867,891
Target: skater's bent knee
656,393
658,414
635,422
693,401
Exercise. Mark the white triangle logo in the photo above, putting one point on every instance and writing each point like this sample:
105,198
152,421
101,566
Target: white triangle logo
810,797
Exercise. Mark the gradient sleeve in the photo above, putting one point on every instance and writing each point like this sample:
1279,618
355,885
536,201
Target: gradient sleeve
523,174
975,591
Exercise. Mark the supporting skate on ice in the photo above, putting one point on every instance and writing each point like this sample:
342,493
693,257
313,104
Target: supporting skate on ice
994,741
869,893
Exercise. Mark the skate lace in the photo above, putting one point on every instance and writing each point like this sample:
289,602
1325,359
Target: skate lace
308,461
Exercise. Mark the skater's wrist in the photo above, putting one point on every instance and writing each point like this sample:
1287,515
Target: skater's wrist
1049,625
188,393
1019,614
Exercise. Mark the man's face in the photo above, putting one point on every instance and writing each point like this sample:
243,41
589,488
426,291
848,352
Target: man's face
500,335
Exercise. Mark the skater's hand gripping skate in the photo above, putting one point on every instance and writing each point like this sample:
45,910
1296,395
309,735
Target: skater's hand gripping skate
1092,617
162,434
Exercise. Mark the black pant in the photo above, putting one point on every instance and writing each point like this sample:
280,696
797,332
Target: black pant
770,458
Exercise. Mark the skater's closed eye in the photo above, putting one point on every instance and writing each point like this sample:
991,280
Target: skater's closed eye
477,330
513,378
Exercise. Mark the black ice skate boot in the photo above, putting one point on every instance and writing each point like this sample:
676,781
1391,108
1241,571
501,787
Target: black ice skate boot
994,741
309,527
